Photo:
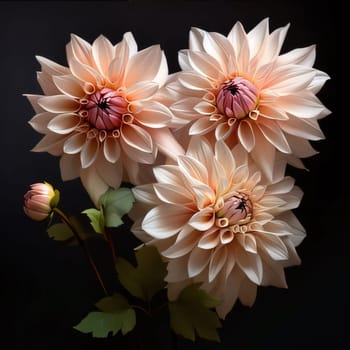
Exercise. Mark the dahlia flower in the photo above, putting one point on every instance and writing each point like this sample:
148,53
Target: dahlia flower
216,222
101,112
240,89
40,200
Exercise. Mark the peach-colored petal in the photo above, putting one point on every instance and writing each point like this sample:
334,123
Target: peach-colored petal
210,239
93,184
74,143
111,173
141,90
169,193
165,220
273,246
181,247
33,99
144,65
111,149
198,260
89,152
203,219
250,264
64,123
51,143
69,166
202,126
50,67
58,104
217,262
273,133
247,292
85,73
303,56
194,81
154,115
69,85
46,84
136,137
39,122
168,174
81,50
102,53
246,135
192,168
204,64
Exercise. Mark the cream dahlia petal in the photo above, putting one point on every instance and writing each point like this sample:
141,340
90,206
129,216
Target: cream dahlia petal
93,183
81,50
303,56
154,115
302,128
202,126
89,152
273,134
111,149
247,292
58,104
246,135
144,65
184,61
283,186
141,90
217,262
210,239
318,81
182,247
137,155
69,85
233,283
194,81
162,75
205,65
193,169
213,48
250,264
70,166
102,53
301,106
111,173
248,242
74,143
33,99
51,143
165,220
203,219
168,174
136,137
175,274
128,44
84,72
46,84
50,67
64,123
197,261
145,194
195,39
273,246
300,148
169,193
257,36
39,122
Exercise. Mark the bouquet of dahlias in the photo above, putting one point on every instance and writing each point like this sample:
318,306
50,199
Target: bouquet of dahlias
196,159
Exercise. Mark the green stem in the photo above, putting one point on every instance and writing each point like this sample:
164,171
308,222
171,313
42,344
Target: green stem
83,246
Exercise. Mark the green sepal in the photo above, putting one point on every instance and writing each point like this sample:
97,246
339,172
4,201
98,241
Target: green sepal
147,278
191,314
115,315
55,199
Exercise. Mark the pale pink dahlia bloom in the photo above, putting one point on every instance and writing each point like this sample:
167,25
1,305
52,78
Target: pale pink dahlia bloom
240,89
215,221
101,113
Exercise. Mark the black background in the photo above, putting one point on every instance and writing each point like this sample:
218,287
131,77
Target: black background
47,288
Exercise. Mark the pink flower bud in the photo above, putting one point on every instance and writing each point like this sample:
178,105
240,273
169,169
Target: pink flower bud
40,200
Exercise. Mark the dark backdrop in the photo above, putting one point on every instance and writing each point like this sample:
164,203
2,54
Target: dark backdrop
46,288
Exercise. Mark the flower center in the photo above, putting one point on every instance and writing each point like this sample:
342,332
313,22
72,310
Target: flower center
236,210
105,109
237,98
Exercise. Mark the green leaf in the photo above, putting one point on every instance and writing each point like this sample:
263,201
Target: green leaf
147,278
115,315
115,204
60,232
96,219
191,314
